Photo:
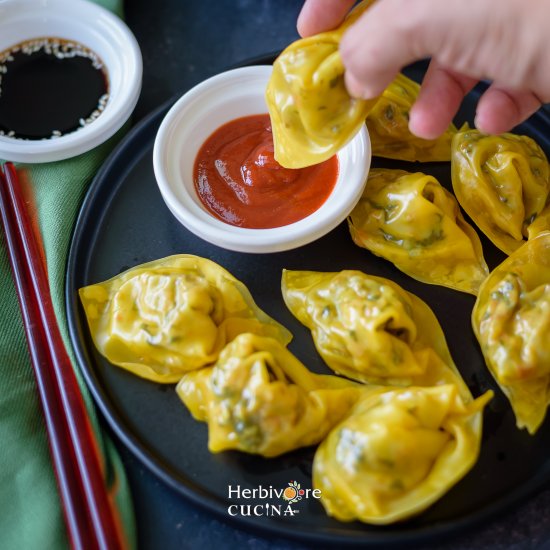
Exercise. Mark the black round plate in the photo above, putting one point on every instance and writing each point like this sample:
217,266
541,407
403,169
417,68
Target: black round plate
124,222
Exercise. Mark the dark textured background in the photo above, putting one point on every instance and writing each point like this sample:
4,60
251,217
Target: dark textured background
184,42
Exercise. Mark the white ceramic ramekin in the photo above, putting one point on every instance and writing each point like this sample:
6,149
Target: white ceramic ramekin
201,111
100,31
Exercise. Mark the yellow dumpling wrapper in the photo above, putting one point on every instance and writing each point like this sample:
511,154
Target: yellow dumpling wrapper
260,399
170,316
411,220
312,114
369,329
541,223
388,125
502,182
397,453
511,320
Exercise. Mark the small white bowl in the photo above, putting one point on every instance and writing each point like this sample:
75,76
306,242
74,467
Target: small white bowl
101,32
201,111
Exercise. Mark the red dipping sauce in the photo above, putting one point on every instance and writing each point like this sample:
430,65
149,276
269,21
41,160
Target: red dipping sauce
239,181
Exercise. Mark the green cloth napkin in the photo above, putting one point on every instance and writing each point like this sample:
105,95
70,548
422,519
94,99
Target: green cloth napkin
30,510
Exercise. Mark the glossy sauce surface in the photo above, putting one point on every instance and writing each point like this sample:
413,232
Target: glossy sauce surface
239,181
50,87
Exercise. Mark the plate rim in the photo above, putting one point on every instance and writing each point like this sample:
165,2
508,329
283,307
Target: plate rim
375,536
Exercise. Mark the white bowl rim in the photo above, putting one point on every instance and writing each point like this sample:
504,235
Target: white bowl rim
114,115
242,239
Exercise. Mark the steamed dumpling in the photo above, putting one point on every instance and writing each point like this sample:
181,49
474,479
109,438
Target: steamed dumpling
164,318
370,329
541,223
502,182
312,114
260,399
388,124
398,452
511,320
415,223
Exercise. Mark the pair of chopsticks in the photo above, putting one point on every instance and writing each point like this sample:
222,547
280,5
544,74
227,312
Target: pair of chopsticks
89,513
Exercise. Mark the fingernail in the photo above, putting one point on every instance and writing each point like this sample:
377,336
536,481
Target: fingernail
358,89
423,126
300,24
419,131
478,124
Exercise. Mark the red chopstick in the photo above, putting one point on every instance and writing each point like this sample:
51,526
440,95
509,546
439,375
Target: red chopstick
91,518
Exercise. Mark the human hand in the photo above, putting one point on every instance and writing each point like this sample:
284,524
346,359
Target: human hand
504,41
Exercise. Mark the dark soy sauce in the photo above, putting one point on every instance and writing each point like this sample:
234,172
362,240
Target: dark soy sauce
50,87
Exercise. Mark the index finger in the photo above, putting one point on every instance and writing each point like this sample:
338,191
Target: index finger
394,33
